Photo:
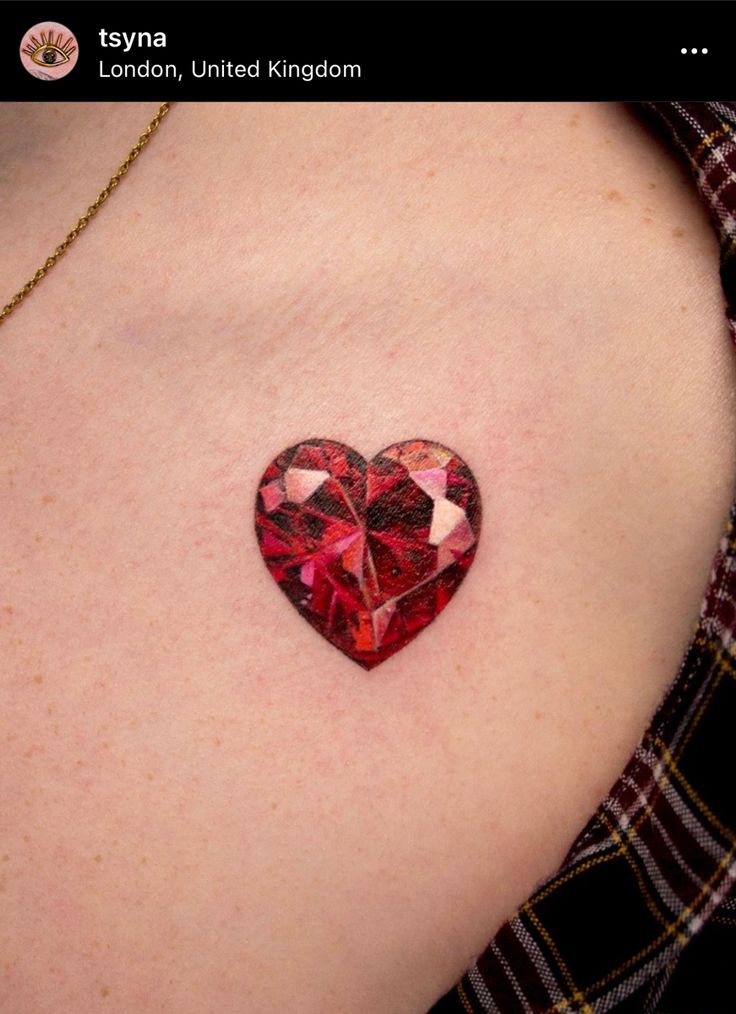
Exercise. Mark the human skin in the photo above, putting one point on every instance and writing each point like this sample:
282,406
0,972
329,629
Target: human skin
206,808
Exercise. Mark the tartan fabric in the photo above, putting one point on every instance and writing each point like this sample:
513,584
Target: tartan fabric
639,919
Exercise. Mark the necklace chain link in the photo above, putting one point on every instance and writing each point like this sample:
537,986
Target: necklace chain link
89,213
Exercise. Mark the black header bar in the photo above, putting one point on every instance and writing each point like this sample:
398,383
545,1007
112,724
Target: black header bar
340,50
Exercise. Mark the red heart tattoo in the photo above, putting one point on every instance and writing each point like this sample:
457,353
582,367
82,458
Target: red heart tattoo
369,552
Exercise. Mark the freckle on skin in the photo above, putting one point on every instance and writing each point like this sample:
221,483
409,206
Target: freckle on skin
574,120
9,609
104,991
614,195
48,498
431,172
98,858
678,232
38,678
683,308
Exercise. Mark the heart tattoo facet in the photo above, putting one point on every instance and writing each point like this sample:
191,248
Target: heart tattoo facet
369,552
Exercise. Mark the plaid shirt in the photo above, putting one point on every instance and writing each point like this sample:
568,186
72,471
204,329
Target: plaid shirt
641,916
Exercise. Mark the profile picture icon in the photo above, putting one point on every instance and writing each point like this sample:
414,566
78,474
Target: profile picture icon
49,50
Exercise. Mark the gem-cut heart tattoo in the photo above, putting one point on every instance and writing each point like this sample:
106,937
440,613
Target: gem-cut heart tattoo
369,552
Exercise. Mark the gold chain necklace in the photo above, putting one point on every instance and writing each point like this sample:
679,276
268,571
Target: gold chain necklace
89,213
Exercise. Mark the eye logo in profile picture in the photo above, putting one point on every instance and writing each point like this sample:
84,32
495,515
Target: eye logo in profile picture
49,51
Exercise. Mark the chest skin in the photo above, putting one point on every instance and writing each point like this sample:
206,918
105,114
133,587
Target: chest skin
206,806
